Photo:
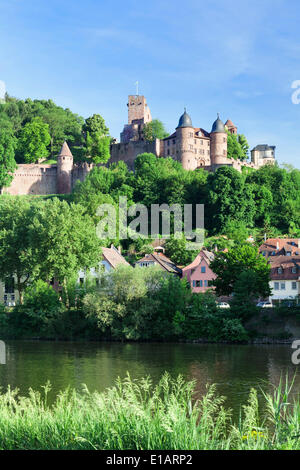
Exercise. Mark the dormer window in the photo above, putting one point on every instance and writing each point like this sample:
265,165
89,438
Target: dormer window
288,253
294,269
279,270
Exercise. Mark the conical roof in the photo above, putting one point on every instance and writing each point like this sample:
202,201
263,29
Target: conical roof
218,125
65,151
229,123
185,120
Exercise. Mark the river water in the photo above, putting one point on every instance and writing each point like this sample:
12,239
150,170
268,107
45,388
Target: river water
234,368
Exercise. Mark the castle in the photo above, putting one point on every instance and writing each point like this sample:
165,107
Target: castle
40,178
192,146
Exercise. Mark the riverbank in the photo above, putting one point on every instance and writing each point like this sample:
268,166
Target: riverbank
139,415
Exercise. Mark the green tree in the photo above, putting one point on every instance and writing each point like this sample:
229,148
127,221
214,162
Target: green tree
237,146
97,139
229,197
15,247
45,240
245,295
154,130
7,152
228,267
176,250
34,140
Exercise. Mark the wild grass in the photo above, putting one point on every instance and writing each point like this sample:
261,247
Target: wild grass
140,415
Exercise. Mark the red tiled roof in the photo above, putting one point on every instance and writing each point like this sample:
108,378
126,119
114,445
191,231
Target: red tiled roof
207,255
279,246
275,250
229,123
113,257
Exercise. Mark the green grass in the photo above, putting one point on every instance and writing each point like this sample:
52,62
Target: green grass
139,415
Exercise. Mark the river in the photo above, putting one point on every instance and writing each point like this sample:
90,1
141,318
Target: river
234,368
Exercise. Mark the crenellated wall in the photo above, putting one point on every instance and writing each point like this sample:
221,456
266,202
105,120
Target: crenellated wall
33,179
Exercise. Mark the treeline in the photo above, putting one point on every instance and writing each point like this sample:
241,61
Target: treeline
34,130
256,202
127,304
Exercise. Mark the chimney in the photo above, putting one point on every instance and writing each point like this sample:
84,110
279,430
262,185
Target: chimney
120,249
298,242
277,245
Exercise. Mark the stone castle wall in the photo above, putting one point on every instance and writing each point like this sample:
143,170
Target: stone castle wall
128,152
33,179
39,179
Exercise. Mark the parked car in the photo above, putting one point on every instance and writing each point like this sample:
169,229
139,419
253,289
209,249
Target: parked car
223,305
265,304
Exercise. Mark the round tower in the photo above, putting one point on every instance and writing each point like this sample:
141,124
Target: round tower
64,170
185,142
218,145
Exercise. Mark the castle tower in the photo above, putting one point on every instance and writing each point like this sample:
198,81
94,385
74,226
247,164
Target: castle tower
185,141
231,127
138,110
64,170
218,145
138,115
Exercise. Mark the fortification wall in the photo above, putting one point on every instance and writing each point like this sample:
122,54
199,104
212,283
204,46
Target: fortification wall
128,152
33,179
80,172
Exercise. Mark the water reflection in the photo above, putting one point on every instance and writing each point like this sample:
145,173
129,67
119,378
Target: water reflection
234,368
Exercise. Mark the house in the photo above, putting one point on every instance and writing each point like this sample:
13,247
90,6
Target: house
160,260
283,254
111,258
198,273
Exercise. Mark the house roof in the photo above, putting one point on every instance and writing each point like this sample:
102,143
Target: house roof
113,257
162,260
280,246
263,147
208,256
229,123
275,250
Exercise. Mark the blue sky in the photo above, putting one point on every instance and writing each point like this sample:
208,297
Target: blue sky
238,58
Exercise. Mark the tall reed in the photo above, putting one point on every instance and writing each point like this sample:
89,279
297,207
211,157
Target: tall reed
139,415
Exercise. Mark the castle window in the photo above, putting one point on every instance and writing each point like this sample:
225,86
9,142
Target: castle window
224,139
168,142
201,141
173,141
168,151
294,285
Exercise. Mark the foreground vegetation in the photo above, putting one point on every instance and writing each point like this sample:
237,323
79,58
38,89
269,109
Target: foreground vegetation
139,415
